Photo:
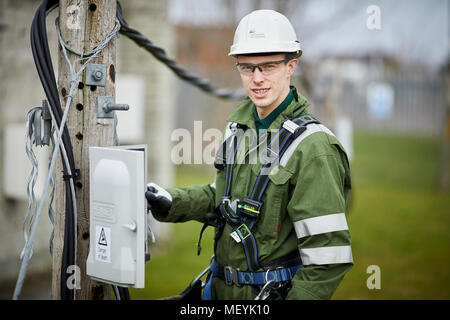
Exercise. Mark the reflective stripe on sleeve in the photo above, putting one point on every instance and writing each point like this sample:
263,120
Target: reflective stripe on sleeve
322,224
326,255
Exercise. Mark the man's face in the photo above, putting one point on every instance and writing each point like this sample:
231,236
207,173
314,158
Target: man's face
267,91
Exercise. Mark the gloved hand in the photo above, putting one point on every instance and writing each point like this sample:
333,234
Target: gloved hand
158,199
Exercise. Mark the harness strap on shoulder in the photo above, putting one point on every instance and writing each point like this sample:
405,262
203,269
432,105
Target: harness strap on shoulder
231,132
291,130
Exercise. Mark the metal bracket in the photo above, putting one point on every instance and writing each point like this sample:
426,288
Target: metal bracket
106,107
96,74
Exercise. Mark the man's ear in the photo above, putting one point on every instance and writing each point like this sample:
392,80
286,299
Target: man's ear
292,65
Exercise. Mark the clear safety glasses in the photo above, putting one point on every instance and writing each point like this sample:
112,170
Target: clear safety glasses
266,68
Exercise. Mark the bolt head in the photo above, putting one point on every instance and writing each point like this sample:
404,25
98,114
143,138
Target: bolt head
97,75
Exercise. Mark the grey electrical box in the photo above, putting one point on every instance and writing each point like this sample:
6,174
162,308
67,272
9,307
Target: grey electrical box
118,209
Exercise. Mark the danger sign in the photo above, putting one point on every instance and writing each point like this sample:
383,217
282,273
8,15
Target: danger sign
102,239
103,244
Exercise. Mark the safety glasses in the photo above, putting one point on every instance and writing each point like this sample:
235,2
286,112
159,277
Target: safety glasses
266,68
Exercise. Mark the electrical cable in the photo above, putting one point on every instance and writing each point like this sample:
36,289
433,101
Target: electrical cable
32,114
29,244
51,212
160,54
33,136
121,293
42,58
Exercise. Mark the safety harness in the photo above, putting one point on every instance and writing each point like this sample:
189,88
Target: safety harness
242,215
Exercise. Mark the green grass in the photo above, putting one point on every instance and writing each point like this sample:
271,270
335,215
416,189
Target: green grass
398,220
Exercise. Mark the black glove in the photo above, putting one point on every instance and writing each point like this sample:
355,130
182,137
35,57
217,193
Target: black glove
159,200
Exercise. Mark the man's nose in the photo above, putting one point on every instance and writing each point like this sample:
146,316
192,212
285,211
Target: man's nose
257,75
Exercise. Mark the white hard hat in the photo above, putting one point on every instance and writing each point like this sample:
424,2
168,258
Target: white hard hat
265,31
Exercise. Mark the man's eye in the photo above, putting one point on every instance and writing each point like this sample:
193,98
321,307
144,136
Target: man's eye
246,68
269,67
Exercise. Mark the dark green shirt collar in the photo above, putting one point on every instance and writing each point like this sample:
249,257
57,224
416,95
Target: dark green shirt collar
267,121
243,113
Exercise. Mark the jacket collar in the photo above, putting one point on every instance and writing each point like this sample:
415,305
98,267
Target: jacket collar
243,113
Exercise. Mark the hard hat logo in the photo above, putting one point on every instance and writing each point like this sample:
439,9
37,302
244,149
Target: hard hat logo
264,31
253,34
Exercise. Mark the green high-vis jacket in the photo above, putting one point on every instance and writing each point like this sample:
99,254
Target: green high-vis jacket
304,208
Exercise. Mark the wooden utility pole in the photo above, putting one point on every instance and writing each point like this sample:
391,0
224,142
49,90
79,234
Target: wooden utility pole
84,25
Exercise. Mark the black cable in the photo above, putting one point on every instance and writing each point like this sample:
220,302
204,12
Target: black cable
160,54
44,66
121,293
41,55
68,257
124,293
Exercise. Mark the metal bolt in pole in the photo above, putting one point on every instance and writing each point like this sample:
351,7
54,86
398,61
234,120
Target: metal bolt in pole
97,75
108,107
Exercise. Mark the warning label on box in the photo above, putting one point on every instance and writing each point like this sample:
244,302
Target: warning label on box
103,244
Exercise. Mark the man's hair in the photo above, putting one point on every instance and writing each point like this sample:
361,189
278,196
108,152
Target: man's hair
290,55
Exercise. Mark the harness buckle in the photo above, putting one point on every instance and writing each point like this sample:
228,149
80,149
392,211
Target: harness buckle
274,279
226,200
249,207
228,209
293,128
231,276
243,231
290,125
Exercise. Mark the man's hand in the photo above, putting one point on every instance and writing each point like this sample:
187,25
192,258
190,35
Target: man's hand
158,199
